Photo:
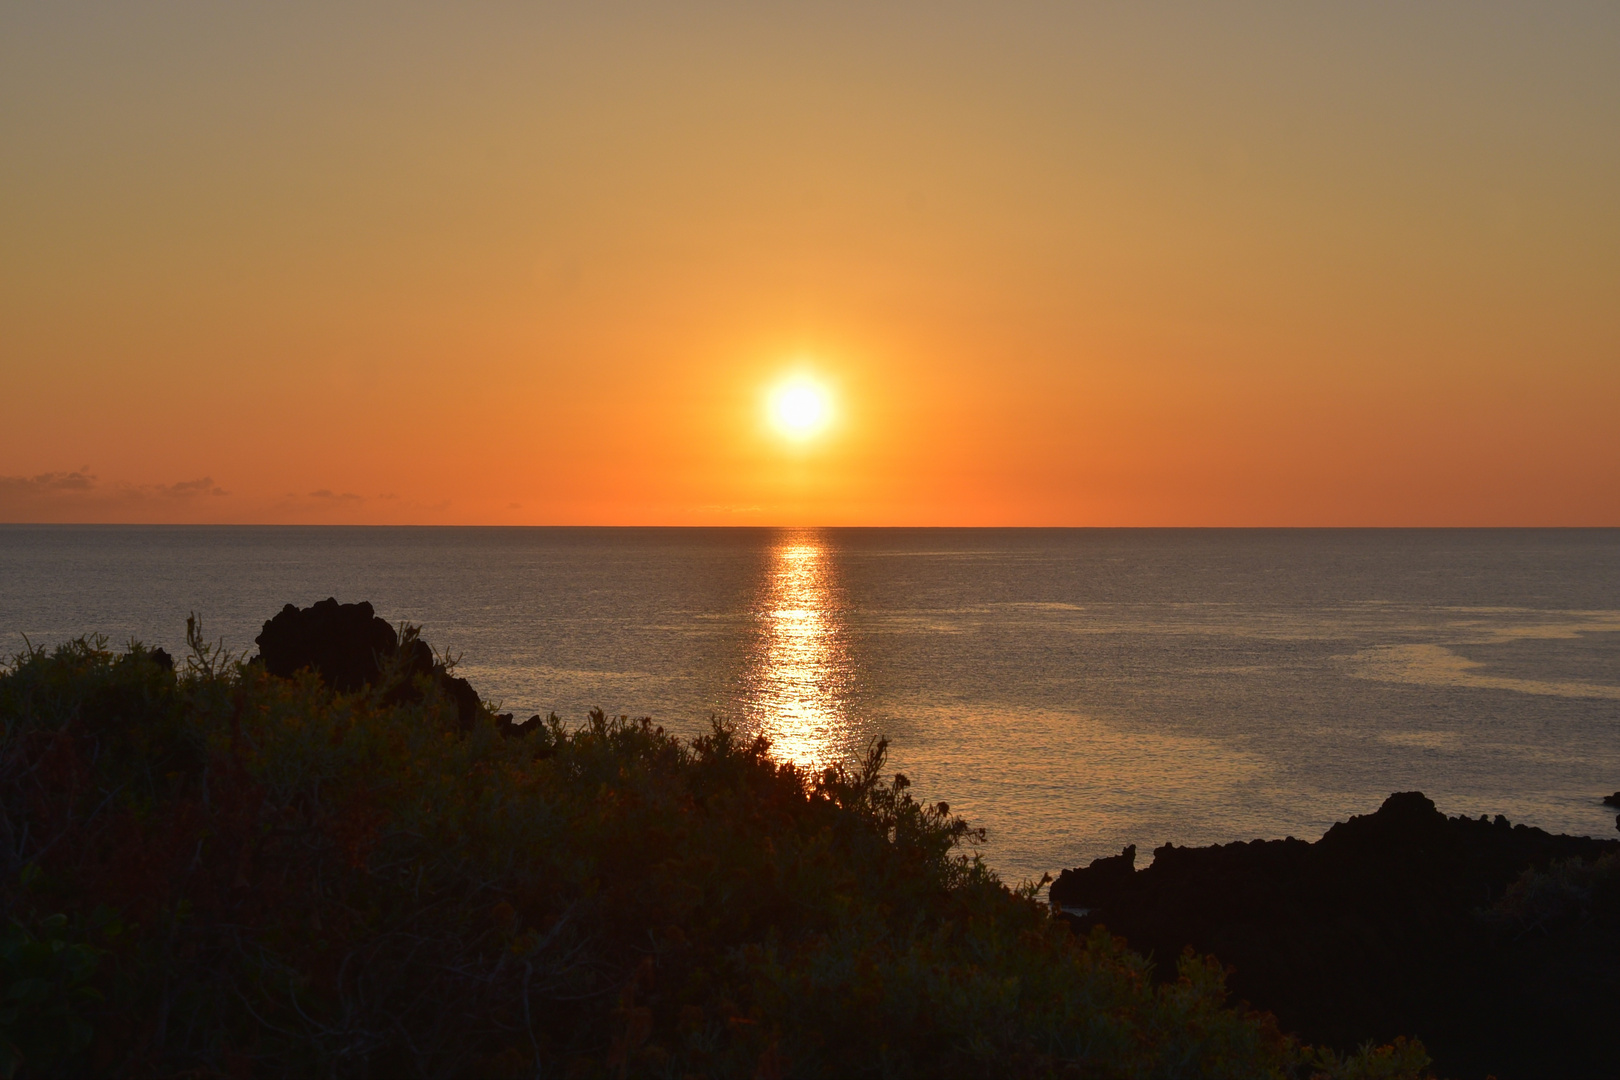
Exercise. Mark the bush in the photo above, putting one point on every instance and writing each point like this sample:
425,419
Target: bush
262,876
1545,897
46,980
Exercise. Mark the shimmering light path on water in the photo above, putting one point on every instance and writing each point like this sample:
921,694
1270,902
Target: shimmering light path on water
1072,690
798,680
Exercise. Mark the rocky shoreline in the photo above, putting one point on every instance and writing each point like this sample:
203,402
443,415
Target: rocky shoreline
1496,944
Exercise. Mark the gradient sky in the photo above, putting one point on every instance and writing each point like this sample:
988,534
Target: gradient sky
1057,264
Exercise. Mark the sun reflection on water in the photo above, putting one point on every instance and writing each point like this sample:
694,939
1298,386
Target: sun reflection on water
799,677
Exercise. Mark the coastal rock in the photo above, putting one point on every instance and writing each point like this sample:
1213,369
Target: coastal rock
1097,884
507,728
1612,800
344,643
1402,922
351,648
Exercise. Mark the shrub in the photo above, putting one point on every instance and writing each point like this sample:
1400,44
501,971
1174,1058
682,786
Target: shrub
46,980
218,871
1545,897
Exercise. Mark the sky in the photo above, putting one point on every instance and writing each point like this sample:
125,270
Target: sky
1047,264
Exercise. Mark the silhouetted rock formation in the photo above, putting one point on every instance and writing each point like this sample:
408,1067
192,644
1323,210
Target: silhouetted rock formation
1612,800
1399,922
344,643
350,647
509,730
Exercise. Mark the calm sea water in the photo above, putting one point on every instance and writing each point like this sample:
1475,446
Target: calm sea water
1071,690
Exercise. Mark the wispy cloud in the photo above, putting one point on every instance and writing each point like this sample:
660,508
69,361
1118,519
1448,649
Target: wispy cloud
46,483
331,496
81,495
187,489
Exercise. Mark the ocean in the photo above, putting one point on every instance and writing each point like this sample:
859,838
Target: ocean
1072,691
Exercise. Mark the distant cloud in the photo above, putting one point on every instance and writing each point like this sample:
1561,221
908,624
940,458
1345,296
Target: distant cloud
80,495
329,494
185,489
46,483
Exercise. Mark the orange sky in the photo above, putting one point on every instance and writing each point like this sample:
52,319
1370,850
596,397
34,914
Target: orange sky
1058,264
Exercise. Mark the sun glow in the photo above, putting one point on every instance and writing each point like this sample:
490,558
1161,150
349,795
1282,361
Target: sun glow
800,408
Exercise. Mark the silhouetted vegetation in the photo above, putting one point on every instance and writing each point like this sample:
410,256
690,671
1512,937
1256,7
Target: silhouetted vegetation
211,869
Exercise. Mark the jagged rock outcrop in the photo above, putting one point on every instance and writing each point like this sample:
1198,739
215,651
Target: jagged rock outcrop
350,648
1485,939
345,643
508,728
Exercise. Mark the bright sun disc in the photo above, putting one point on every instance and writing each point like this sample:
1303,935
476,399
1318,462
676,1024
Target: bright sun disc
800,409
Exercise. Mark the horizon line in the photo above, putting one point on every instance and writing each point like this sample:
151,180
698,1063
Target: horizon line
785,527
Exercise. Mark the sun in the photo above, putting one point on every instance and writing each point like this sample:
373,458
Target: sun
800,408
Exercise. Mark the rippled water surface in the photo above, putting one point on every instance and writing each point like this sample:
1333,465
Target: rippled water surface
1072,690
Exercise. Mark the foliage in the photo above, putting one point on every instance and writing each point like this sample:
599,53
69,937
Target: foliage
46,981
262,877
1542,898
1402,1058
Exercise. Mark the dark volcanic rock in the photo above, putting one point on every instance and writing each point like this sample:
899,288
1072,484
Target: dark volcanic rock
507,728
1385,927
1612,800
345,643
350,648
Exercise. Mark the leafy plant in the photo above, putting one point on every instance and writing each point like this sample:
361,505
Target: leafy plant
1541,898
354,884
45,990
